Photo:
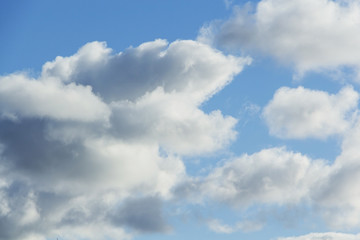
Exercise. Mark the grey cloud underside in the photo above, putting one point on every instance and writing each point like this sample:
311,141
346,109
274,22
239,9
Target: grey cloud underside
81,140
144,215
29,151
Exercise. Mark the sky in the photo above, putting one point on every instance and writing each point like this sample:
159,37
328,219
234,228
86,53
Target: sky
179,119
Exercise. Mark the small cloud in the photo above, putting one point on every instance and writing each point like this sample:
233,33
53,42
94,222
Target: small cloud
228,3
217,226
301,113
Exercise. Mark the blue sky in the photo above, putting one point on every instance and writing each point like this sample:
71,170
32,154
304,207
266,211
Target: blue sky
179,120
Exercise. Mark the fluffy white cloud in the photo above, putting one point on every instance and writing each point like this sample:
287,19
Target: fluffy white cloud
327,236
98,134
338,197
271,176
277,177
311,34
174,121
161,102
21,96
302,113
180,67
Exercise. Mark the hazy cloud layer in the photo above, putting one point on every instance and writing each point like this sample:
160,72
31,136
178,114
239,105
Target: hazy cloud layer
93,145
310,34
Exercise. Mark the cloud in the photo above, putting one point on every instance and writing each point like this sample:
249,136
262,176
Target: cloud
215,225
338,196
174,121
160,102
21,96
228,3
144,215
276,177
218,227
301,113
313,35
99,134
271,176
327,236
180,67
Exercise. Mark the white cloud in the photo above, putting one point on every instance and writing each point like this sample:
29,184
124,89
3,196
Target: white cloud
218,227
323,236
99,130
276,177
215,225
338,197
174,121
228,3
21,96
310,34
183,66
302,113
271,176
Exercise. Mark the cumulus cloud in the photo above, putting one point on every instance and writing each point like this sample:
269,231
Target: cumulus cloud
174,121
98,134
21,96
311,34
180,67
277,177
271,176
327,236
302,113
338,197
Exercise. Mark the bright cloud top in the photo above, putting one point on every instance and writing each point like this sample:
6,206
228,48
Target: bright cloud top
97,128
269,176
49,99
311,34
302,113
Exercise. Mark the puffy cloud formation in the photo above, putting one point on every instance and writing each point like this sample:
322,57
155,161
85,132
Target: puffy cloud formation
338,197
310,34
278,177
98,134
302,113
327,236
270,176
49,99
